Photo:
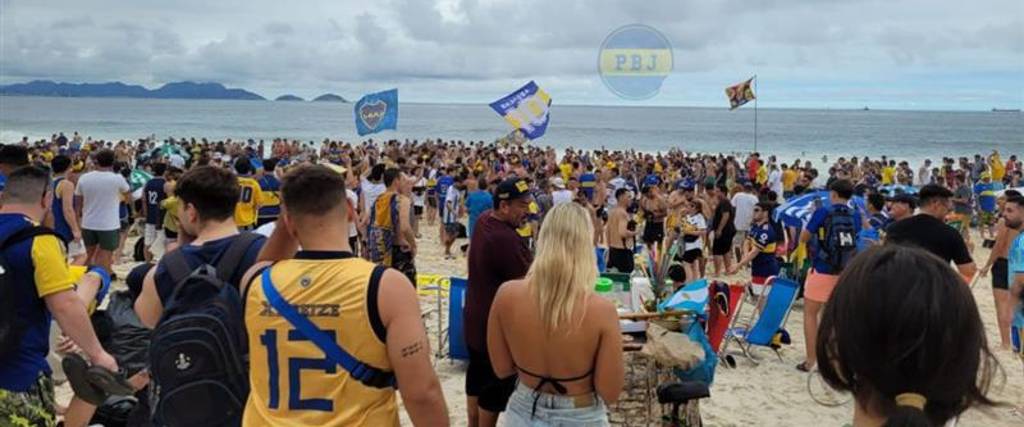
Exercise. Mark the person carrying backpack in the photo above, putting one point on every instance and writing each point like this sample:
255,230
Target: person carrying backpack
198,348
35,286
832,233
331,334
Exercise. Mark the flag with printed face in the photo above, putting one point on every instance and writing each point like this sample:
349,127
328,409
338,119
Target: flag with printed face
526,109
740,93
376,112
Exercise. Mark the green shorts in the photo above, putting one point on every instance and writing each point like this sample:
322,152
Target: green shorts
107,239
35,407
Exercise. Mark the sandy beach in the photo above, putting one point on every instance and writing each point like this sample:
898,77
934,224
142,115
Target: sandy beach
770,394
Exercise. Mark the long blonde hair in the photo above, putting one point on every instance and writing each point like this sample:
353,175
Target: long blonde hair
564,269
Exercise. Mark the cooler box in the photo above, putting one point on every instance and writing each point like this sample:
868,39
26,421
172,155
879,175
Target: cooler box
456,336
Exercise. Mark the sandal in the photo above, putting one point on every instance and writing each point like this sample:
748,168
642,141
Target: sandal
113,383
802,367
76,370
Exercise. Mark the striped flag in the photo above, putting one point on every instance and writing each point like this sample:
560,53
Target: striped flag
740,93
138,179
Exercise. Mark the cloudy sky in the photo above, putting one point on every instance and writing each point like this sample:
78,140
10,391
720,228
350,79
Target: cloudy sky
907,54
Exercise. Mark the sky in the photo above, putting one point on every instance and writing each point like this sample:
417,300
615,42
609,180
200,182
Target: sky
895,54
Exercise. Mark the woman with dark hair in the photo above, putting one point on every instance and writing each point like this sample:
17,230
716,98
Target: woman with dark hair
903,334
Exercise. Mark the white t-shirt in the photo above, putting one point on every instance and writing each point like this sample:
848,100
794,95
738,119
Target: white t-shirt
561,196
613,185
370,193
418,199
452,201
353,200
744,204
924,176
697,221
775,182
101,199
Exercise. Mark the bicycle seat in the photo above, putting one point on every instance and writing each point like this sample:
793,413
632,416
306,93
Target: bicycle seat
682,392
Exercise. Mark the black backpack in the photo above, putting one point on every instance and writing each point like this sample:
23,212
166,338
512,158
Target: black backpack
198,353
11,325
839,244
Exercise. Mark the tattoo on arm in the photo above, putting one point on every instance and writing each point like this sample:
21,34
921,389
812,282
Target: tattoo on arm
413,349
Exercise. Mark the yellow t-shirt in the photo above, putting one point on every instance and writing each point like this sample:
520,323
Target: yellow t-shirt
248,202
292,382
997,167
887,175
170,205
788,179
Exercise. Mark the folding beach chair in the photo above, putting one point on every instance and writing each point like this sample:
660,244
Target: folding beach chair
721,310
768,330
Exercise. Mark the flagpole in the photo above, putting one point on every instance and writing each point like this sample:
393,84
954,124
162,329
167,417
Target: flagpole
755,112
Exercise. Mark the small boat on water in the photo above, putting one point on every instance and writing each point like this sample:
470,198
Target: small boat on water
867,109
1006,110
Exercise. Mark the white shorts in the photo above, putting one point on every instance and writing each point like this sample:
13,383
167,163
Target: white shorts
150,235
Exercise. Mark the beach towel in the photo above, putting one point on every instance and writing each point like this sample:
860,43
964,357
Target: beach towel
724,300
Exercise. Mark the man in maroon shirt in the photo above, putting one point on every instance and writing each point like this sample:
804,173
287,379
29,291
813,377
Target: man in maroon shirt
497,254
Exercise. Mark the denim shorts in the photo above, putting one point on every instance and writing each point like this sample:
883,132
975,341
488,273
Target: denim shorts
551,410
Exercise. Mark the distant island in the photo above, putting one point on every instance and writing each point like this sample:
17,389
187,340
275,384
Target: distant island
288,97
176,90
329,97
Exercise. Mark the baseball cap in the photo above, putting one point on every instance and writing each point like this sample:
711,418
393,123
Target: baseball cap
558,182
905,199
511,189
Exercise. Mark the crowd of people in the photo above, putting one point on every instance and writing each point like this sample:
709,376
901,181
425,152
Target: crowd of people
286,252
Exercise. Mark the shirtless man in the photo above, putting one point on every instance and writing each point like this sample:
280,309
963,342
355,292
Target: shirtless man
621,234
655,208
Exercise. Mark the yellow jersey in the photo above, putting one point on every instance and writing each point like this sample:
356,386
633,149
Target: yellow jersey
888,173
248,201
292,383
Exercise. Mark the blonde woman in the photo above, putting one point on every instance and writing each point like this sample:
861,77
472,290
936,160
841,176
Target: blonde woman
555,334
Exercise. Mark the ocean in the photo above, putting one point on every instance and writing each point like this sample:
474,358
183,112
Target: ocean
787,133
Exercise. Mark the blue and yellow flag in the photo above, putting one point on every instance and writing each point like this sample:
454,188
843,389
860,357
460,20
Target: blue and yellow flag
740,93
526,109
376,112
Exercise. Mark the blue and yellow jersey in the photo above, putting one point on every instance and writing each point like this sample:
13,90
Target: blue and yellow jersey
526,230
248,201
270,203
764,238
292,383
38,268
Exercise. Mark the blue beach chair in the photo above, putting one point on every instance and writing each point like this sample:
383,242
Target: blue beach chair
769,328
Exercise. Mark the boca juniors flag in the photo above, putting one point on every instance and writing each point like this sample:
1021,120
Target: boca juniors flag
740,93
526,109
376,112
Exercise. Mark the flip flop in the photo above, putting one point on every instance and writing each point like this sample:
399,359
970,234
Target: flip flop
110,382
76,370
802,367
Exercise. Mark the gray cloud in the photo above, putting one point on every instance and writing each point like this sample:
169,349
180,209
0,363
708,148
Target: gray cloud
468,49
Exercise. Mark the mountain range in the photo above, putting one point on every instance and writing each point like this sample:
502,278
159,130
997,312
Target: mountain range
175,90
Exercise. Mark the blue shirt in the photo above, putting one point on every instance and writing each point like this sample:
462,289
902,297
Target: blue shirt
153,192
587,183
1016,266
207,253
986,196
20,369
442,186
476,203
764,238
816,226
270,206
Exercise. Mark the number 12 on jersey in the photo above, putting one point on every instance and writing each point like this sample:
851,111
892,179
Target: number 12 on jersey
296,365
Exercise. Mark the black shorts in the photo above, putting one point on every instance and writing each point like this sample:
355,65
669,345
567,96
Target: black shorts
403,262
170,235
1000,274
692,255
654,232
621,260
432,200
417,210
265,220
722,244
492,393
353,244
